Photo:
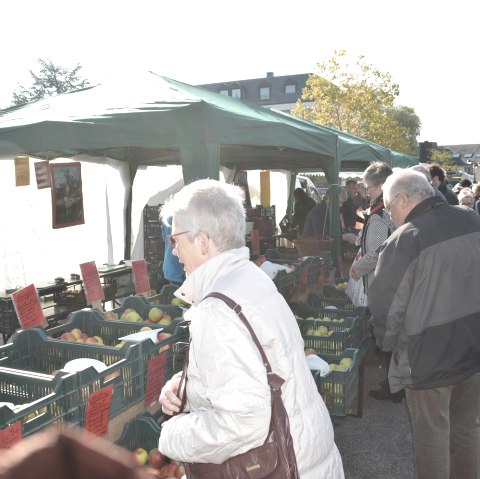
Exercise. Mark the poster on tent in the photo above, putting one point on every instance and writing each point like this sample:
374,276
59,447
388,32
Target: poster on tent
42,174
67,196
140,276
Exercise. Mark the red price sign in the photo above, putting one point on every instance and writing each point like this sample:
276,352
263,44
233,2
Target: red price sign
255,241
304,279
155,378
27,306
91,282
140,276
11,435
98,411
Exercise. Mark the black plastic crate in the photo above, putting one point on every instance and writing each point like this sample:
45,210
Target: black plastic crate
339,388
141,431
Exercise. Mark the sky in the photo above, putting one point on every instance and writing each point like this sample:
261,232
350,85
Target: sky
430,49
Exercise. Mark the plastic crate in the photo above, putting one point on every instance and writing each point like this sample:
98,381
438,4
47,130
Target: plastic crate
31,350
93,323
166,294
339,388
318,300
285,283
153,228
47,399
141,431
8,318
340,334
143,306
152,213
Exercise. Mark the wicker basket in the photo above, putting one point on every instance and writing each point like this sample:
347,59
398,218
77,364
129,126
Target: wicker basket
313,246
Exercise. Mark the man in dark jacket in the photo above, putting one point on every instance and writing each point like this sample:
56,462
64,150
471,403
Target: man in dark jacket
429,317
438,180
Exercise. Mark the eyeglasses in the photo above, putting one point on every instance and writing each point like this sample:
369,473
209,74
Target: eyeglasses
172,241
386,208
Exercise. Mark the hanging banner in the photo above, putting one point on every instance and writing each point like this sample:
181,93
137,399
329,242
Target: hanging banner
265,189
22,171
42,174
67,196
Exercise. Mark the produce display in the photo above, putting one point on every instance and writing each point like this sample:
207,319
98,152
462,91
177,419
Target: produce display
154,315
158,466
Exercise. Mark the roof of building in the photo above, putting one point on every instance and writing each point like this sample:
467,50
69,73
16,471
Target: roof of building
251,88
464,154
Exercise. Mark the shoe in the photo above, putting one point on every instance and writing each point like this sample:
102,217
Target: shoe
385,394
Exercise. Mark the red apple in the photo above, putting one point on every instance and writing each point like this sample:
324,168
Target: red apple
156,459
68,337
140,456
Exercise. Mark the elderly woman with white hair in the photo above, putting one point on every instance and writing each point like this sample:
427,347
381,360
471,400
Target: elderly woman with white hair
228,399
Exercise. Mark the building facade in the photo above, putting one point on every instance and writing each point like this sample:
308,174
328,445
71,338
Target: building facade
280,93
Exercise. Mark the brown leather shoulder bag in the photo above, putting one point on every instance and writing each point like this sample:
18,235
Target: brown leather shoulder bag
275,459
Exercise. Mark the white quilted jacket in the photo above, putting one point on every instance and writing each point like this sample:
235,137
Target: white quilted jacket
228,394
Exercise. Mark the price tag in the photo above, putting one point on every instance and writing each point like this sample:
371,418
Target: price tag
11,435
98,410
140,276
255,241
27,306
304,279
91,282
155,378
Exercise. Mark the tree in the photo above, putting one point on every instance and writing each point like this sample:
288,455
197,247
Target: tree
358,99
51,80
444,159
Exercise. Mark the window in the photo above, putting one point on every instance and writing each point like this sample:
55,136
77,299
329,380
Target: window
265,93
468,155
236,93
291,88
223,92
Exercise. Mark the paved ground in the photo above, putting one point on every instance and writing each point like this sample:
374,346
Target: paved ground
377,445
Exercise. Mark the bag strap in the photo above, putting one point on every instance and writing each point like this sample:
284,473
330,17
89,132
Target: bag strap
274,381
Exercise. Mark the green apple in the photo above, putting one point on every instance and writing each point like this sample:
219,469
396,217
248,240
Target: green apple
155,314
347,362
327,318
140,456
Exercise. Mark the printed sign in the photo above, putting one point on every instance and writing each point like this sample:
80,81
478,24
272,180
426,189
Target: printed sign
140,276
27,307
91,282
155,378
11,435
98,410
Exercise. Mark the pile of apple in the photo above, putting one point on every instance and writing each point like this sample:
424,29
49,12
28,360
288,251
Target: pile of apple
155,315
342,286
178,302
78,336
159,466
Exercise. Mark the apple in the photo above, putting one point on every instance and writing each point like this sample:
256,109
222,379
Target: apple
110,316
321,331
310,318
140,456
340,368
76,333
311,332
91,340
156,459
155,314
132,317
166,320
119,345
168,470
68,336
123,315
180,471
327,318
145,328
99,339
84,336
310,351
347,362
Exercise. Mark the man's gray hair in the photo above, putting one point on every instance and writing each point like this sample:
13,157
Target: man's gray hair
411,182
212,207
423,169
